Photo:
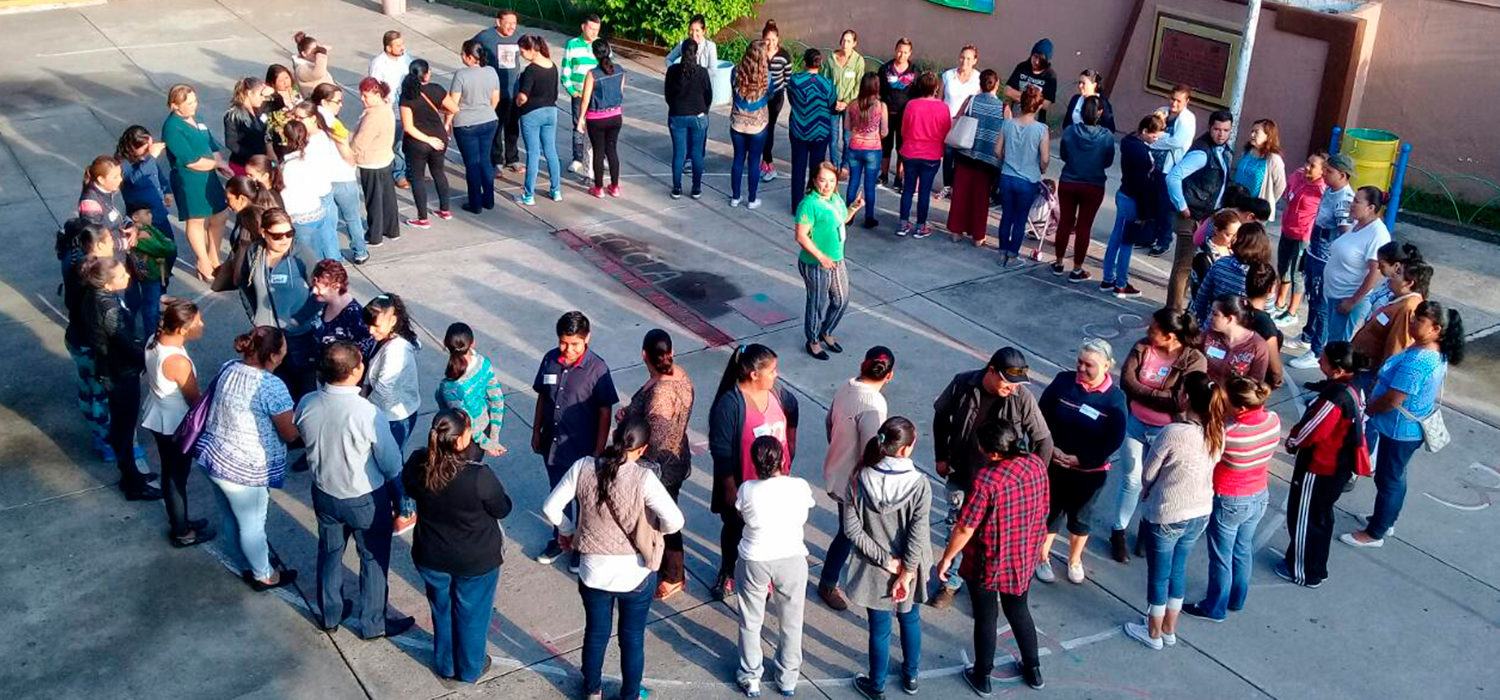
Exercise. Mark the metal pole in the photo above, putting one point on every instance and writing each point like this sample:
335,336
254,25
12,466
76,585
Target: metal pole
1398,181
1242,74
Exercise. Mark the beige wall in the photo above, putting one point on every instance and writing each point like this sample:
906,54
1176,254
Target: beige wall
1434,61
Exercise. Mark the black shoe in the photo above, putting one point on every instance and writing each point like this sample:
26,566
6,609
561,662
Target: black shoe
361,259
198,524
832,345
301,464
288,577
550,554
1196,610
141,491
818,354
393,235
723,586
375,244
471,210
1033,677
866,687
1140,540
1118,548
1057,268
195,536
870,222
980,686
696,194
1157,251
909,685
676,193
1078,275
1348,486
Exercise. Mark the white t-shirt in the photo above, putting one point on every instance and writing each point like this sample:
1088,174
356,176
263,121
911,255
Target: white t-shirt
1349,257
956,91
391,71
304,182
321,151
774,511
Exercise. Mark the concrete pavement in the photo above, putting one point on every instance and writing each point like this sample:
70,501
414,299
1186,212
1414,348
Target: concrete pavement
98,605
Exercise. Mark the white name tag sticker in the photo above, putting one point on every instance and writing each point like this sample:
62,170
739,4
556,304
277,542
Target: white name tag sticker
549,379
848,75
278,278
202,127
1090,411
1216,353
1383,319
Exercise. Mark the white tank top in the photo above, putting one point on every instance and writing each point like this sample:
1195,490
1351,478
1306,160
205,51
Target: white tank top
163,406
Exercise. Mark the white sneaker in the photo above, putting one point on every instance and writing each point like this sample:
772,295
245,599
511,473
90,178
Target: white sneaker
1286,320
753,204
1304,361
1169,639
1075,573
734,201
1044,572
750,687
1294,343
1348,538
575,166
1142,634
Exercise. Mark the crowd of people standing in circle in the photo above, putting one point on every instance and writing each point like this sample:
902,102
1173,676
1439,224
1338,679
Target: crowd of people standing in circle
320,374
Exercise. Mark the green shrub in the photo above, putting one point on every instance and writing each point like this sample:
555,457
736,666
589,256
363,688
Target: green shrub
666,21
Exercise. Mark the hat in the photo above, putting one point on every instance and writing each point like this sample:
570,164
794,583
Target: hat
1342,163
1043,47
1010,364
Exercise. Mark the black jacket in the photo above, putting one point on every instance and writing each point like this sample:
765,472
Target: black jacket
963,407
688,96
726,422
118,354
1106,120
1204,188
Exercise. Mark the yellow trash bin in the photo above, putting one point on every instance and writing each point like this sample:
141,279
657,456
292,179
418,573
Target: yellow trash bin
1374,152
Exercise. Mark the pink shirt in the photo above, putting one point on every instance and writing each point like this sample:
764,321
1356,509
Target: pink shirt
924,125
1155,367
770,422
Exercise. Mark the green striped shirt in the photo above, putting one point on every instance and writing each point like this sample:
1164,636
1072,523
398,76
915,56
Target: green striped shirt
577,60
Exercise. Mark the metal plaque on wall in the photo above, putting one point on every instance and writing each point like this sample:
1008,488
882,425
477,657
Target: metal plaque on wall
1195,51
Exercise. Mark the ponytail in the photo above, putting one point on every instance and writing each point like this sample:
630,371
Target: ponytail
444,459
96,170
459,340
604,55
746,360
895,434
657,346
1208,400
1247,394
1451,341
629,436
767,456
412,83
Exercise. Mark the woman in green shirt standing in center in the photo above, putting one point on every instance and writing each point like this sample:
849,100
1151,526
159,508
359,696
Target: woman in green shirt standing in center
821,218
845,67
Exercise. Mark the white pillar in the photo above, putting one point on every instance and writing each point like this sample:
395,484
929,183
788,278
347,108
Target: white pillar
1247,49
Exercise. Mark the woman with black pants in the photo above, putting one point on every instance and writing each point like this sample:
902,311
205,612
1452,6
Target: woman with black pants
119,360
896,76
458,545
426,139
664,403
779,65
173,383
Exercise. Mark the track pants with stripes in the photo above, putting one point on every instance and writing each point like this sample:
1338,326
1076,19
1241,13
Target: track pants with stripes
1309,521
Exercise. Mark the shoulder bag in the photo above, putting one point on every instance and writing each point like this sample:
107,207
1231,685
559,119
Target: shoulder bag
1434,431
965,129
185,437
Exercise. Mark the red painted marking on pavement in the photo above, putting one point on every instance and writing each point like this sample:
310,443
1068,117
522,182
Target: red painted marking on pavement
677,311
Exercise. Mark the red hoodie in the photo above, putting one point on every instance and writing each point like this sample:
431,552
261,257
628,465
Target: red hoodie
1302,199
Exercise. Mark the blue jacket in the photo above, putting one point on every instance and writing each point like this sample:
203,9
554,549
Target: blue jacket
1087,151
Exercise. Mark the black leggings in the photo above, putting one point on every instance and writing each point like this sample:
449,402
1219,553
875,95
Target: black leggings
729,540
987,610
175,468
604,135
773,106
891,142
421,158
124,418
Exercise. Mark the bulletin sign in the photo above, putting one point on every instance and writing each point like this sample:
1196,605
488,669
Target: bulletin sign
1197,52
985,6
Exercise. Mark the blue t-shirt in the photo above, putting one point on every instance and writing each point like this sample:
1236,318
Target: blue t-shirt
1419,373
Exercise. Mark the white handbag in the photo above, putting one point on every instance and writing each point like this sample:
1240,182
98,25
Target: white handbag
964,130
1434,431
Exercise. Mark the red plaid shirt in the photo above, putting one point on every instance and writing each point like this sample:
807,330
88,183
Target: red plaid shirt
1008,510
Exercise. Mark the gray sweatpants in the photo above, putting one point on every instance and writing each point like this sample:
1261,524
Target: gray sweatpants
753,581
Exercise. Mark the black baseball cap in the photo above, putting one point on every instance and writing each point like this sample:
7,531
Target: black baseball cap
1010,364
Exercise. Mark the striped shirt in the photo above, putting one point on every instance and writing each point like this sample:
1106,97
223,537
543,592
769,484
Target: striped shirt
780,67
812,107
1249,443
577,60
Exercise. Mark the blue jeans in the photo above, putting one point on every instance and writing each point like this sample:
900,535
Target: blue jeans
461,609
368,519
1166,217
838,147
539,131
689,136
920,173
1391,458
1137,436
145,299
347,197
398,166
1315,331
598,613
1167,557
864,165
1016,196
1117,254
955,496
747,149
1341,326
838,556
1231,537
479,173
806,155
880,643
320,235
401,430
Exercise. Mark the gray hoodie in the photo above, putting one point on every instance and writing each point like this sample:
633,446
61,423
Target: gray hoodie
1087,151
887,516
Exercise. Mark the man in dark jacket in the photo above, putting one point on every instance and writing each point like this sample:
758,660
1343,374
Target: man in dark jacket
119,359
996,393
1196,187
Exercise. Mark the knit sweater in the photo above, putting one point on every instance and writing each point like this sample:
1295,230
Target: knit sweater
665,404
479,394
812,98
1177,479
854,418
577,60
1249,443
375,138
889,511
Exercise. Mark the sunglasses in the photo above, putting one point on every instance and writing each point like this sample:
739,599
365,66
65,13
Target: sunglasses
279,235
1015,372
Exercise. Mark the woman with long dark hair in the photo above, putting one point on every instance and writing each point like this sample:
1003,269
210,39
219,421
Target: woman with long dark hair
665,403
1260,168
1177,491
689,93
424,126
623,511
458,546
1226,276
1089,83
245,124
328,145
77,243
536,97
470,384
172,381
1232,348
1151,377
306,190
391,381
749,401
604,97
119,360
1406,395
887,519
779,68
867,123
472,98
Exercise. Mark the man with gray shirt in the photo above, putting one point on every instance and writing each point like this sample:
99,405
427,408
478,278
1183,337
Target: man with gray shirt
503,53
356,469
